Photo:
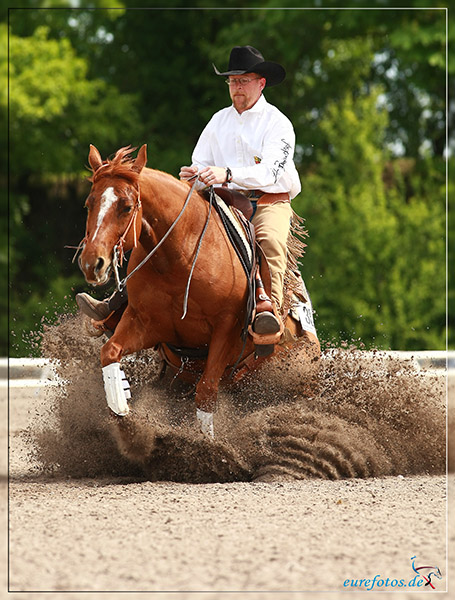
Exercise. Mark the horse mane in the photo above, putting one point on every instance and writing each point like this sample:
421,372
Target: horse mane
119,166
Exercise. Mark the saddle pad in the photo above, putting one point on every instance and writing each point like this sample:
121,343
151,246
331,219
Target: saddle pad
235,228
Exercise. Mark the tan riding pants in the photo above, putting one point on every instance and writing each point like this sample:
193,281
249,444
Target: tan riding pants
271,223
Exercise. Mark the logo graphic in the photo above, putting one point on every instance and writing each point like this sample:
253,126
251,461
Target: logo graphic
427,572
257,160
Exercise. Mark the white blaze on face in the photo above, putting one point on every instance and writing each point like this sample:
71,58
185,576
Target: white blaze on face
108,198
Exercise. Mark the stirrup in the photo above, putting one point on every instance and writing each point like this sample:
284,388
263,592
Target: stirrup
265,342
266,323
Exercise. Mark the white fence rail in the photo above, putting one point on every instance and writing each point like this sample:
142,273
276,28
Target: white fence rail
38,371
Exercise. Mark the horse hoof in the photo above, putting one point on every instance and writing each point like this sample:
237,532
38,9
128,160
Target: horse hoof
91,330
117,389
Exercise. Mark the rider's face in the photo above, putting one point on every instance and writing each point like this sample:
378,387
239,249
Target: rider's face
245,95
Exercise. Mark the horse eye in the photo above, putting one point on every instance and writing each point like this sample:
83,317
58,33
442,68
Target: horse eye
127,209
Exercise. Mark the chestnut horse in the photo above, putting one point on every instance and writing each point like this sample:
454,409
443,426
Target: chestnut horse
134,207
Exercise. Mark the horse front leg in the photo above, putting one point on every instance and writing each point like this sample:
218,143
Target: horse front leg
128,338
116,385
207,388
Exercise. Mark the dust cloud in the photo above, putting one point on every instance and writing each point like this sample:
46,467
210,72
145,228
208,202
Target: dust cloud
355,415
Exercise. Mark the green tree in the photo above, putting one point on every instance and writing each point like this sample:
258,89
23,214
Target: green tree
328,52
381,277
54,107
3,195
117,77
54,110
341,54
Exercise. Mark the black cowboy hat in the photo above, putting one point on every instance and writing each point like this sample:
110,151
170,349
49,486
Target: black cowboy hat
246,59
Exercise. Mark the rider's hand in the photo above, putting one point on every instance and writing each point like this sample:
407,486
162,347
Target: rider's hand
212,175
187,172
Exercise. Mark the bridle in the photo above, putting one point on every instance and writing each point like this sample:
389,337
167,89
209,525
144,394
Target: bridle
132,222
115,261
118,252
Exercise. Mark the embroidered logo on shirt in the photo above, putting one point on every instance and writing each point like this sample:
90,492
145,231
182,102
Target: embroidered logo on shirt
257,160
285,150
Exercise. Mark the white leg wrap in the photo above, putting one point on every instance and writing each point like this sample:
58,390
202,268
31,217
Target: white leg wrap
117,389
205,422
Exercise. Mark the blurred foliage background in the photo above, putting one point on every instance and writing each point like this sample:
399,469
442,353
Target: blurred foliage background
366,92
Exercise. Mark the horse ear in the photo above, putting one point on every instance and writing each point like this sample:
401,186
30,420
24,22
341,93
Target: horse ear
94,158
141,159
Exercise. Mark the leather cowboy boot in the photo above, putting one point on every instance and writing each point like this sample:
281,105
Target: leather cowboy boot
266,327
104,315
95,309
101,309
265,322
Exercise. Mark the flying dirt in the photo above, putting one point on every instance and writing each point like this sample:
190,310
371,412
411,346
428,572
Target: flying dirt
353,415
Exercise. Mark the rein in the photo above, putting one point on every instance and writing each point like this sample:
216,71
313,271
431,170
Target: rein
187,290
121,283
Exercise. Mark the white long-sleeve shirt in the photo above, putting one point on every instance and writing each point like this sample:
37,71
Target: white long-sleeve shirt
257,145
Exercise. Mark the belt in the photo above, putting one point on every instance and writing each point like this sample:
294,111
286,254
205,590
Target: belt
262,198
252,194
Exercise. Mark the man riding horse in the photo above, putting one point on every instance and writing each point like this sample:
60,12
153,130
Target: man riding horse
247,147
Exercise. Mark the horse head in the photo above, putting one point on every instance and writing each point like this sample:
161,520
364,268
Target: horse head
114,211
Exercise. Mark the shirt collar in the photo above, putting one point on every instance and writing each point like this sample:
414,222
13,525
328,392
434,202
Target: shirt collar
256,108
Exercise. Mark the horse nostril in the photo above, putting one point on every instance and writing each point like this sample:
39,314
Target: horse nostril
99,264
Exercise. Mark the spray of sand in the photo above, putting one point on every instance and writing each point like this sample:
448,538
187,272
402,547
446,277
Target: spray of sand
356,415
